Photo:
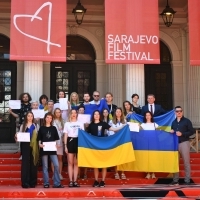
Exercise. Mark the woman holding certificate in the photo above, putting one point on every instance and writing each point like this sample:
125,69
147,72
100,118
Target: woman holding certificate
47,137
71,146
29,151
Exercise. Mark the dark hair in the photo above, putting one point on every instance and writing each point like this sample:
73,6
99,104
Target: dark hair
151,95
81,106
178,107
25,93
134,95
45,116
59,92
102,117
44,96
25,121
145,120
124,109
122,118
86,93
92,117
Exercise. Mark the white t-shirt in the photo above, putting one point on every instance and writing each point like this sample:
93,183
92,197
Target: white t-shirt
95,102
114,126
149,126
71,128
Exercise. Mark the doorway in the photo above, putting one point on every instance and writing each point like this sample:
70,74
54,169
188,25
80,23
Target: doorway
158,79
78,74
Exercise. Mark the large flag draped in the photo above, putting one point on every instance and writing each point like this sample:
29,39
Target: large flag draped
164,121
155,150
101,152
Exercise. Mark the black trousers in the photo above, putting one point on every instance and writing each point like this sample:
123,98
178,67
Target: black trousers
28,169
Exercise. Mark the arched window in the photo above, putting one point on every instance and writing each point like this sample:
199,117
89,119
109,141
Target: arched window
4,47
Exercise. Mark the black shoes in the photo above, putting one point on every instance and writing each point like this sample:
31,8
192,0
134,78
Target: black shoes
75,184
96,184
102,184
174,183
46,186
58,186
25,185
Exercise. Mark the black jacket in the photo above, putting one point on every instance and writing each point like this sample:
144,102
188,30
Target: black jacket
185,127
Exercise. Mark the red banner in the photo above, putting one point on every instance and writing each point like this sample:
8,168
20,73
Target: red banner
194,31
38,30
132,31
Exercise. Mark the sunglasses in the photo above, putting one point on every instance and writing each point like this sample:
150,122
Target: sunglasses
96,95
178,111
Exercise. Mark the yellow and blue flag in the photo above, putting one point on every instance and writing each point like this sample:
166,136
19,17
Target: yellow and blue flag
155,150
164,121
102,152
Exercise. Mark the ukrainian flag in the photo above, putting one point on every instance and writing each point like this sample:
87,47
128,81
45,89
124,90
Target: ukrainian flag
102,152
155,151
164,121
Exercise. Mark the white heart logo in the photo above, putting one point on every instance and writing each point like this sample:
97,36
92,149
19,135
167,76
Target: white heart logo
33,17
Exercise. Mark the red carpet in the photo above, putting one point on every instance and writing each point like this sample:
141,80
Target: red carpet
136,186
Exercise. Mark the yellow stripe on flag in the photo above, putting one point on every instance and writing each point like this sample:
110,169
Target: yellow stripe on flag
153,161
105,158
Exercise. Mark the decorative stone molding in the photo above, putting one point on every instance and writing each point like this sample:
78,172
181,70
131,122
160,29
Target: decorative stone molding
175,34
99,32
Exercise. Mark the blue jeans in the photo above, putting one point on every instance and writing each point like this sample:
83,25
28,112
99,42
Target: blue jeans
54,159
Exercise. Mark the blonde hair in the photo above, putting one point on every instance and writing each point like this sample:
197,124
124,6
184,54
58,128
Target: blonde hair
77,100
70,114
122,118
60,118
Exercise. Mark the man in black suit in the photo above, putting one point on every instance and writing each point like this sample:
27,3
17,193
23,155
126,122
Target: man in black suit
155,109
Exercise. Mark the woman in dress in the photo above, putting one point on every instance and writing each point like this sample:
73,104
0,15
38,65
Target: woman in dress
71,146
29,152
49,133
59,124
149,124
97,128
136,107
118,121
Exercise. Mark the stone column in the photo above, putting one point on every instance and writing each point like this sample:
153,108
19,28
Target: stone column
135,82
194,95
115,83
33,78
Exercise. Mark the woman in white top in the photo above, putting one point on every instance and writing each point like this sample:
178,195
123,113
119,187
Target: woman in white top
118,121
71,146
59,124
149,124
61,94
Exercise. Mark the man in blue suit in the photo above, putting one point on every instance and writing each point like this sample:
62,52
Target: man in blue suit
155,109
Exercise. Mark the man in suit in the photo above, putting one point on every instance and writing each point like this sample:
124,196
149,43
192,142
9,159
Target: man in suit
155,109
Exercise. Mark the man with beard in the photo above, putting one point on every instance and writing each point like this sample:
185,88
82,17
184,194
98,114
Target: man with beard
25,107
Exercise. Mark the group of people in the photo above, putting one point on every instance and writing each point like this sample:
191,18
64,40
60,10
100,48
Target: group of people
61,127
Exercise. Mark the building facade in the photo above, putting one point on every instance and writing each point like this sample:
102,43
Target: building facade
173,81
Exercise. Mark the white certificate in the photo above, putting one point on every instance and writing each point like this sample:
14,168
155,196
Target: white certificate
49,146
63,103
14,104
38,113
84,118
23,137
133,126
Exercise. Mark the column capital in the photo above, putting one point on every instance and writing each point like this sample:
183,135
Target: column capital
177,63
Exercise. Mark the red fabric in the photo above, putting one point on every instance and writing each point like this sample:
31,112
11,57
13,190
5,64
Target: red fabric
194,31
132,20
43,20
